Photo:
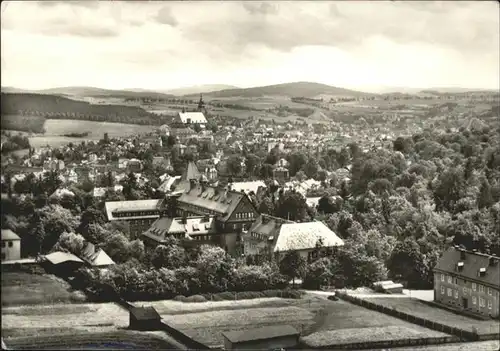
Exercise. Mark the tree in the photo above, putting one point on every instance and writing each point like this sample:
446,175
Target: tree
293,265
196,127
252,163
293,206
343,157
266,171
117,247
266,206
70,242
326,204
311,168
318,273
137,249
234,166
485,199
296,161
406,263
170,255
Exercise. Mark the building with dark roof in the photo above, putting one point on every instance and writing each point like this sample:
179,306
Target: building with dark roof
233,211
140,214
144,318
468,281
11,245
267,338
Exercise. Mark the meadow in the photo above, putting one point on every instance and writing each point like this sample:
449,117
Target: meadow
22,288
417,308
56,128
308,315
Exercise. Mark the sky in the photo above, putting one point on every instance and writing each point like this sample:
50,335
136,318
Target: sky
165,45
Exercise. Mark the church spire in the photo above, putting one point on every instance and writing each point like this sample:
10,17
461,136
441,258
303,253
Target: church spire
201,103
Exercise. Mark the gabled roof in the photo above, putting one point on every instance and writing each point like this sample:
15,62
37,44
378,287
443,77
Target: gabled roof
217,199
166,186
269,332
472,263
8,234
96,258
60,257
247,187
195,117
195,225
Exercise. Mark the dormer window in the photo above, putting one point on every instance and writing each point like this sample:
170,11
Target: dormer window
460,266
482,272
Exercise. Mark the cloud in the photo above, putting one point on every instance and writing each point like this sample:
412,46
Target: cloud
263,8
91,4
165,16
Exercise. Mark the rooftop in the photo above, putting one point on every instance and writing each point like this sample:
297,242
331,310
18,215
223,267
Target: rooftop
8,234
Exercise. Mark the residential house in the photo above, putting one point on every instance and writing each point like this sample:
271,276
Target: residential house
183,135
248,187
468,281
168,184
122,163
161,161
281,174
272,236
11,245
282,163
140,214
180,149
61,192
101,192
233,211
96,258
134,165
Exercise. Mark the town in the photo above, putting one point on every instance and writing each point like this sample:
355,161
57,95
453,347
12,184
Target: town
288,216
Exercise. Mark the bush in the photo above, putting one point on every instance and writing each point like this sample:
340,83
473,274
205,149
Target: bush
181,298
270,293
195,298
226,295
247,295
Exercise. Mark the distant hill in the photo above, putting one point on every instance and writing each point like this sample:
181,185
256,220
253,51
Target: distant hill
200,89
438,91
58,107
297,89
103,93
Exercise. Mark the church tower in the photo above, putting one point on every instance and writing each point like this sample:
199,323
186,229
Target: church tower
201,105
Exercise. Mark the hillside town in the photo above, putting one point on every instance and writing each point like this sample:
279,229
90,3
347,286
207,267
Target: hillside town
338,188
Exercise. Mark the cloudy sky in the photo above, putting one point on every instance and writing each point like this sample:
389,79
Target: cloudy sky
163,45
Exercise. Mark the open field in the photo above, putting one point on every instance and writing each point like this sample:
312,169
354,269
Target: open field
56,128
420,309
20,288
308,315
374,334
123,339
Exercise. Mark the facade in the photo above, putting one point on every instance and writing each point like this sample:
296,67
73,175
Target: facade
268,338
281,174
189,118
196,230
140,214
233,211
273,237
468,281
11,245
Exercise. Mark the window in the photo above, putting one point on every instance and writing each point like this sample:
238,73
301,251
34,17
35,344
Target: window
455,281
442,277
449,292
449,279
465,290
489,291
474,286
481,302
3,243
481,288
11,243
474,300
490,305
3,256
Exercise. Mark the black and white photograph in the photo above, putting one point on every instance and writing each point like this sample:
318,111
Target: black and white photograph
250,175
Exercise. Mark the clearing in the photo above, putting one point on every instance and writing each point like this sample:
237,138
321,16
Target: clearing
22,288
417,308
308,315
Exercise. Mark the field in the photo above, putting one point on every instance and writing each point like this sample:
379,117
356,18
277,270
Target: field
308,315
131,340
19,288
56,128
491,345
420,309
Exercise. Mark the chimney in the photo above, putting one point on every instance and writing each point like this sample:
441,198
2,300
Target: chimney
491,261
462,254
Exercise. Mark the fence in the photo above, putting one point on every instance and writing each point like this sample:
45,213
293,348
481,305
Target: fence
387,343
183,338
464,335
